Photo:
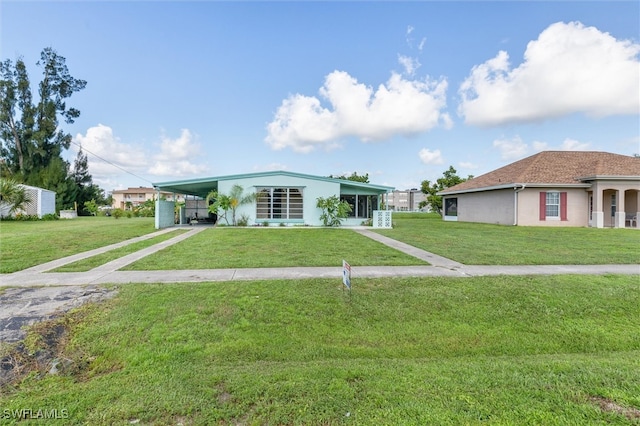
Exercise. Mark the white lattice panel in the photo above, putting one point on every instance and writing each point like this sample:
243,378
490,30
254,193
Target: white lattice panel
382,219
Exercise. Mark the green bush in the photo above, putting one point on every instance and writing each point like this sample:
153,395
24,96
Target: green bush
117,213
334,211
243,220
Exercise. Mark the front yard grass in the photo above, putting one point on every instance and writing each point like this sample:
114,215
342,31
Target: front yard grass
100,259
226,247
485,244
496,350
26,244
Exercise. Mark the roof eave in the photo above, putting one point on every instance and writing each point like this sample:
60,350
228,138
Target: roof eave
516,186
609,177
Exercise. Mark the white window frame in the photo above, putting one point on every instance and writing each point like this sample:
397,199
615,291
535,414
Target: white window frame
552,201
293,210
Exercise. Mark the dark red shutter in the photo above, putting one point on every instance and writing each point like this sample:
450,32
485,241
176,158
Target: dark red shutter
563,206
543,206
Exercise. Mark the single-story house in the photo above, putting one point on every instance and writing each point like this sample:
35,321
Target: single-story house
285,198
552,188
42,202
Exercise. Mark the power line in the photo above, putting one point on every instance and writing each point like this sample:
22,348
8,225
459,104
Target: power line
109,162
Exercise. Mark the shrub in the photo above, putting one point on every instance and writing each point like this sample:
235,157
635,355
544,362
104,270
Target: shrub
243,220
117,213
334,211
50,216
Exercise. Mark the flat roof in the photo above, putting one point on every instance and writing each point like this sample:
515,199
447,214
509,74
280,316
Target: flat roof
202,186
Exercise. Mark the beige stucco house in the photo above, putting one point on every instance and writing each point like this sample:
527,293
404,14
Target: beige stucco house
130,198
552,188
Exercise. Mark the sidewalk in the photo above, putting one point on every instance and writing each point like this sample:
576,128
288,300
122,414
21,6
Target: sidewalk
439,266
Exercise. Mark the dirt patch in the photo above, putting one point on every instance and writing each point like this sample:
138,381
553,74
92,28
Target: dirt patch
611,406
35,342
21,307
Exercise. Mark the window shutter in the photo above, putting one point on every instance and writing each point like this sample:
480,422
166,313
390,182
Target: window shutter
543,206
563,206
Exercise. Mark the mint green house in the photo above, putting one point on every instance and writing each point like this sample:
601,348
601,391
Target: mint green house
285,198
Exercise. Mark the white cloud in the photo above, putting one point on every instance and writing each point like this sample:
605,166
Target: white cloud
511,148
270,167
430,157
515,148
570,68
468,165
410,64
399,107
175,158
176,155
100,141
566,145
422,43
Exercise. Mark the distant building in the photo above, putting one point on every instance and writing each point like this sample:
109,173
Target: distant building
405,201
130,198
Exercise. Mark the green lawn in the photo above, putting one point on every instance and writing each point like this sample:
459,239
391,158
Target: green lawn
26,244
500,350
227,247
100,259
484,244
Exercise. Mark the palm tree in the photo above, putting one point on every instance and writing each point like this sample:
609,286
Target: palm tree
14,195
224,202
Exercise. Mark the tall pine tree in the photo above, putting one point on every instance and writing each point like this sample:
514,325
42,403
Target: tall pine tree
31,135
85,189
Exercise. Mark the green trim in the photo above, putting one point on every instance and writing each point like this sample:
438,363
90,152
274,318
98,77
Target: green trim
201,186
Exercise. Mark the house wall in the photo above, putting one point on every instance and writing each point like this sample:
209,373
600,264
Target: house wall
165,214
311,190
486,207
577,207
46,202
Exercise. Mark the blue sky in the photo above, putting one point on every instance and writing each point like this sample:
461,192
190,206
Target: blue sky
398,90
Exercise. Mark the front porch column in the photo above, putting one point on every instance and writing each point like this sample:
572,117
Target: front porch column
620,216
598,213
637,209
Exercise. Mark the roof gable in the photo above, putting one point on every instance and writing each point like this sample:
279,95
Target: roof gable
554,167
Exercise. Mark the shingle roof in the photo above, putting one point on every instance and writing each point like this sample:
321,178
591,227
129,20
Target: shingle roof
555,167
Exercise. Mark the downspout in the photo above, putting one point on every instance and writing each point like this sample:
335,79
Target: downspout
515,202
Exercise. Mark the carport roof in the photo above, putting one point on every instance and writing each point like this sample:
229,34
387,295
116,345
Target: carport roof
202,186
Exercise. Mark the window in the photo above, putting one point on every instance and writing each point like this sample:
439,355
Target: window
553,205
279,203
552,209
451,207
362,206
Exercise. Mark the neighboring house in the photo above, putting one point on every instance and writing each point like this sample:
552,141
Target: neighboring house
42,202
552,188
285,198
130,198
405,201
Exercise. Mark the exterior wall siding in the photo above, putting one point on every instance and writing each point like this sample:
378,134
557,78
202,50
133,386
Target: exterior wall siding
486,207
165,214
311,190
529,208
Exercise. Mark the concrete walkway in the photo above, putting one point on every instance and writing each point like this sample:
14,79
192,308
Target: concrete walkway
109,273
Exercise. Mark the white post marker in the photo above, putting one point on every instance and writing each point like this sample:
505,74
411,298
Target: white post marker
346,274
